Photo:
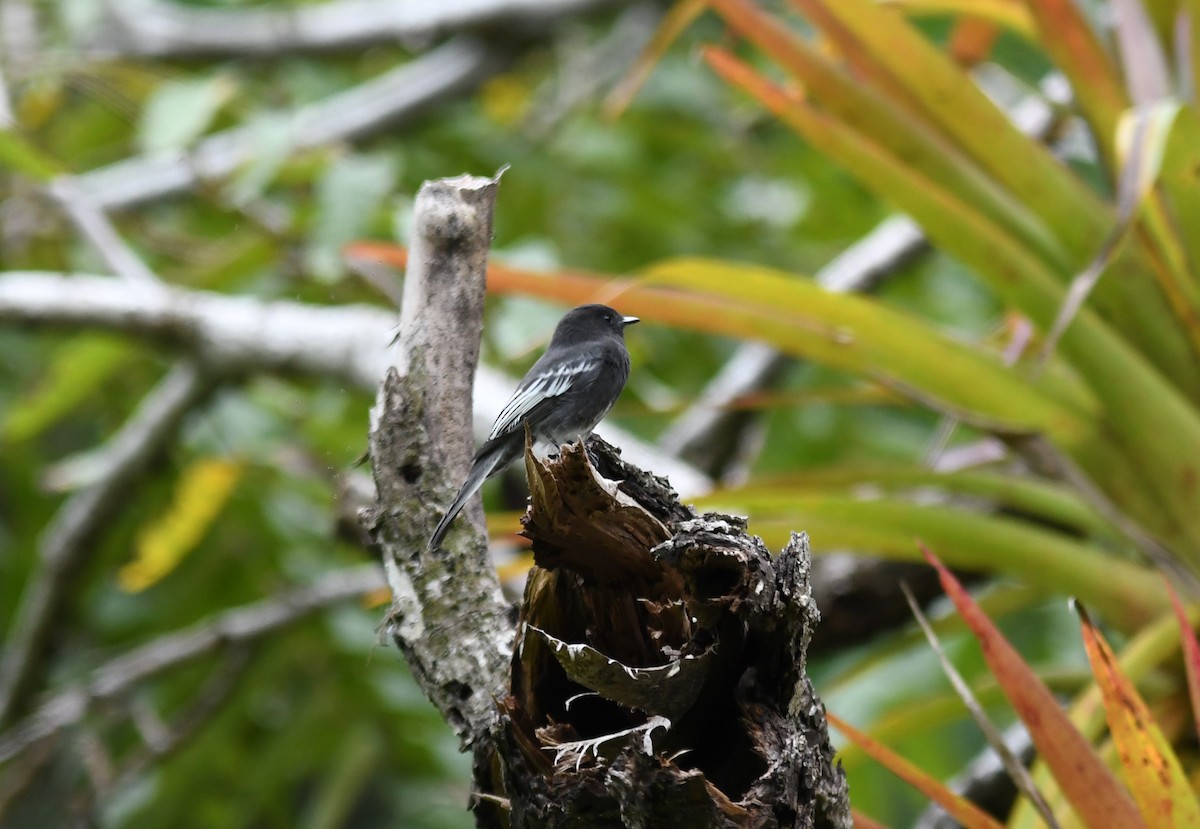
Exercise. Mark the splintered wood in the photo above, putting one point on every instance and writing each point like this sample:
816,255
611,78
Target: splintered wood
658,672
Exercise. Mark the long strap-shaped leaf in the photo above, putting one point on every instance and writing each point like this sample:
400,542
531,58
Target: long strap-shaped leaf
1130,595
894,55
958,807
903,133
873,109
1012,764
1095,80
1097,797
1158,431
1151,647
1191,654
1155,776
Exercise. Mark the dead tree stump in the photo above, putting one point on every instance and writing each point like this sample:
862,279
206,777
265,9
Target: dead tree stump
658,674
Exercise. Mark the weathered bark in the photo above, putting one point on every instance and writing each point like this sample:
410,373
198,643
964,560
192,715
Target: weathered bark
658,676
447,616
657,673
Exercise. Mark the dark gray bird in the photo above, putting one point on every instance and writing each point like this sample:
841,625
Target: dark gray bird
562,398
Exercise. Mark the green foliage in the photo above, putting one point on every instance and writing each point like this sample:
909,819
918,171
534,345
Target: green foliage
180,111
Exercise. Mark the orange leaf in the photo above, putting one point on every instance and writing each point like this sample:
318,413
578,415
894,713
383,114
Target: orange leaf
1191,653
697,312
958,807
972,40
679,17
861,821
1099,799
382,252
1151,767
377,597
1069,40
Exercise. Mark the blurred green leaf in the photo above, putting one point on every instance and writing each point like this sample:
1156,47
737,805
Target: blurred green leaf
352,188
18,153
179,111
863,336
271,134
1029,497
1129,594
77,369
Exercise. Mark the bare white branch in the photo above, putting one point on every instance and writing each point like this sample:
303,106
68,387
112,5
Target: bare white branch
6,113
92,222
362,110
235,334
230,333
151,28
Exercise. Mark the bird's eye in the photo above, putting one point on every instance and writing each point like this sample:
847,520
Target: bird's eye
607,318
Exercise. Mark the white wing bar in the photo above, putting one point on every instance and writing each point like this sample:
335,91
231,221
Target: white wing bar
540,387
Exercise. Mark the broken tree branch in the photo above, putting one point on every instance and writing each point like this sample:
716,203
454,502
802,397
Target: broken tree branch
448,616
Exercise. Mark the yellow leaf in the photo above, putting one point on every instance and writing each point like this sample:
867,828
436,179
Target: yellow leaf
78,368
377,598
202,491
505,99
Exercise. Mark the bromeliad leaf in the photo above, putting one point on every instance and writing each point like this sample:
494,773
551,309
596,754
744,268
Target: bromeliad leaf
1155,776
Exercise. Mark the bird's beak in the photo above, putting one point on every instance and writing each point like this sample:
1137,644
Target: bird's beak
629,320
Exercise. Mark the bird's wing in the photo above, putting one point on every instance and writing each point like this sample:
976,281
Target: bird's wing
540,386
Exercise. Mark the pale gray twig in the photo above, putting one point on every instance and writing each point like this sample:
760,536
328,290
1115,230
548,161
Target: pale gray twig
7,121
64,542
19,36
984,782
118,676
400,93
90,220
207,702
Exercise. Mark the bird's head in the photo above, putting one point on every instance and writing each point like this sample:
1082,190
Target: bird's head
592,320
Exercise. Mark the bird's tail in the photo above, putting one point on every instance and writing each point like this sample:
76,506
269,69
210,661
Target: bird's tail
489,460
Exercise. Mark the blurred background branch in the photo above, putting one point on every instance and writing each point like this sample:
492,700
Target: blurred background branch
451,69
116,677
155,29
65,542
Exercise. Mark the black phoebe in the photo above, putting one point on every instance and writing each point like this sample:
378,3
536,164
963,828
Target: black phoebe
562,398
